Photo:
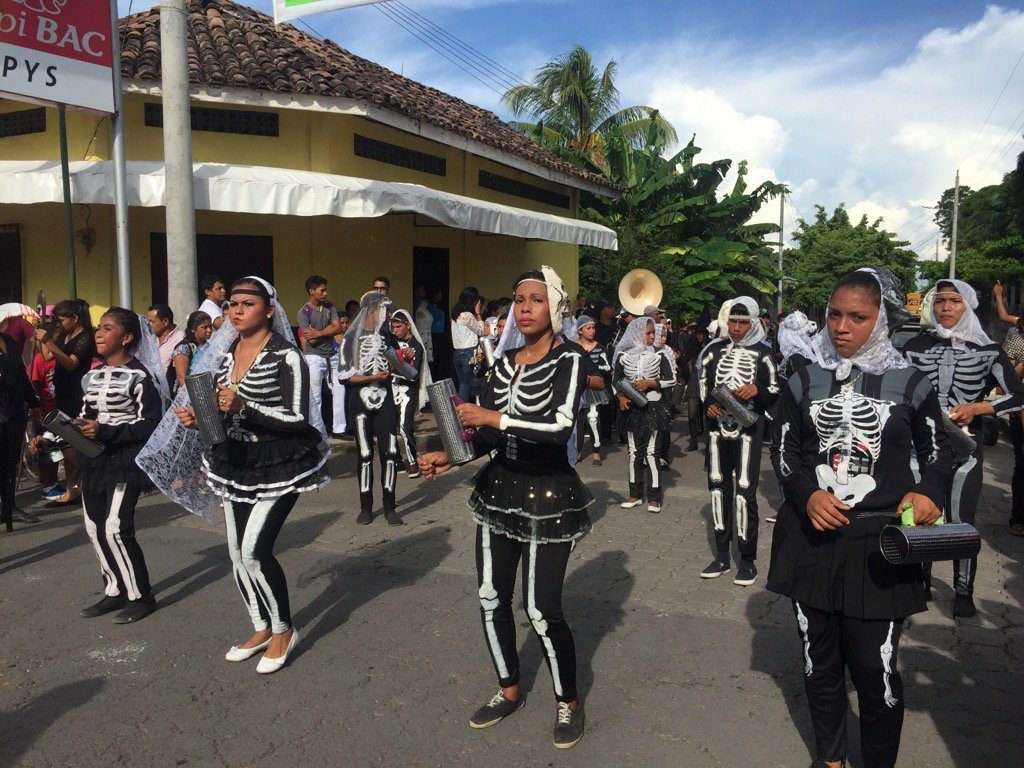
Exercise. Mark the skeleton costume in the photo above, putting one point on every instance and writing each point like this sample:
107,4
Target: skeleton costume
594,400
410,394
636,360
734,452
276,449
661,344
528,502
127,400
364,352
851,426
964,364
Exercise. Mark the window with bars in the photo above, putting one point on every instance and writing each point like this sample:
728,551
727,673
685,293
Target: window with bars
508,186
22,122
392,154
240,121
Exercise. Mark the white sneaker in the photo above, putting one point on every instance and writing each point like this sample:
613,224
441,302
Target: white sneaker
630,503
654,507
241,654
269,666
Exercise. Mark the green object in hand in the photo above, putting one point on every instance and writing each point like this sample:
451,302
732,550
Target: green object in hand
907,515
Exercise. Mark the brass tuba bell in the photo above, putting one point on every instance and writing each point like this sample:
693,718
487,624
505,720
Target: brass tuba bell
639,289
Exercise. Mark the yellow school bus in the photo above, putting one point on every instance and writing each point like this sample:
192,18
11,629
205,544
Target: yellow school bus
913,304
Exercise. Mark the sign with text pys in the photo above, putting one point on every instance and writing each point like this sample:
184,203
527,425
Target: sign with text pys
57,51
285,10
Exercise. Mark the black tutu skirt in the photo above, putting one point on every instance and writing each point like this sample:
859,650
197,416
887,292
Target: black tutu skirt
532,503
249,471
115,466
595,397
843,570
656,416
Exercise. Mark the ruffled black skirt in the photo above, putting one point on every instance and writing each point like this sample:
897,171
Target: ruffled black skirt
843,570
249,471
654,417
531,503
115,466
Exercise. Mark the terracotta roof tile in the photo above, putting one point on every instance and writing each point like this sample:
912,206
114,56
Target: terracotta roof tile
233,45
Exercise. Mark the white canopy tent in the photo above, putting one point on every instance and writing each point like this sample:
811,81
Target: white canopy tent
258,189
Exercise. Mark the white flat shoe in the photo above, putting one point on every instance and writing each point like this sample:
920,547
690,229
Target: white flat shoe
269,666
630,504
241,654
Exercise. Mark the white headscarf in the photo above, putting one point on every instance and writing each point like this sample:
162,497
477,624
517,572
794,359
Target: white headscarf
795,332
634,339
967,328
754,334
558,306
353,360
581,322
425,377
878,355
147,352
173,455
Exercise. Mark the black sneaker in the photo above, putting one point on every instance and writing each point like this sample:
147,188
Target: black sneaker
496,710
718,566
365,517
692,447
136,610
746,574
414,471
106,605
392,517
21,516
963,606
568,726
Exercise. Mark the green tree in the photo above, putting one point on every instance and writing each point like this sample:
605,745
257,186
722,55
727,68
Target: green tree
673,219
830,246
574,104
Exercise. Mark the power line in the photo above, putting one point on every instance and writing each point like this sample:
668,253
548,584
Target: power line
992,109
985,165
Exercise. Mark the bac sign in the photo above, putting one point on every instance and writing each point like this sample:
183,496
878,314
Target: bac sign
57,51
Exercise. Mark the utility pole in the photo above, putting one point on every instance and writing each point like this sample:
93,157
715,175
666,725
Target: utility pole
124,257
782,219
179,198
956,217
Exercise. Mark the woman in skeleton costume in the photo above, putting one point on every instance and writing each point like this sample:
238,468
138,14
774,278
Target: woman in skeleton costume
366,370
409,382
276,448
122,404
846,433
795,332
663,348
742,364
637,361
963,364
595,397
529,504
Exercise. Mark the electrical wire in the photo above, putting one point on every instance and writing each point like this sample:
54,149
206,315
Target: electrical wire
992,109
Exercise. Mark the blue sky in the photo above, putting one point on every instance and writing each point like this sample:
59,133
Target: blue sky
873,104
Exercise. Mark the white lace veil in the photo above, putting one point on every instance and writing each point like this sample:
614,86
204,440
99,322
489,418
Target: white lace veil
173,455
634,340
795,332
373,313
147,352
425,377
755,333
967,328
878,355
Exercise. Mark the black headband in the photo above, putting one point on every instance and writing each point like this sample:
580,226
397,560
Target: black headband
252,292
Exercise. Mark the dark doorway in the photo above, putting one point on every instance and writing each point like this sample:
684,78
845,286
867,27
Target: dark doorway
10,263
227,256
430,269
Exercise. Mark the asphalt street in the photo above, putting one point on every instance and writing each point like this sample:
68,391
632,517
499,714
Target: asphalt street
674,671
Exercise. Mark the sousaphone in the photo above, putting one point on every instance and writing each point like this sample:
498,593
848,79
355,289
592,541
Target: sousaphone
639,289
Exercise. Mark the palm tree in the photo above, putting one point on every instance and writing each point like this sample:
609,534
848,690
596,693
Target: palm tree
575,105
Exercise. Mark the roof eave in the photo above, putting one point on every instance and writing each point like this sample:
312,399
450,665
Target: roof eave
347,106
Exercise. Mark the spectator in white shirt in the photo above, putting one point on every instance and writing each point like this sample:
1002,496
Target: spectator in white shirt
161,320
467,328
213,304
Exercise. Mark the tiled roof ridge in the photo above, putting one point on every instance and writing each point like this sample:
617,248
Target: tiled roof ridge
232,45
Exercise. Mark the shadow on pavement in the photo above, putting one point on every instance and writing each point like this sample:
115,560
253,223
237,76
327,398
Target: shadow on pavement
23,727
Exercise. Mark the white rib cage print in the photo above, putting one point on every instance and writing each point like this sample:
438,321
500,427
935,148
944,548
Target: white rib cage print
849,427
958,375
646,365
738,366
529,393
114,394
261,388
